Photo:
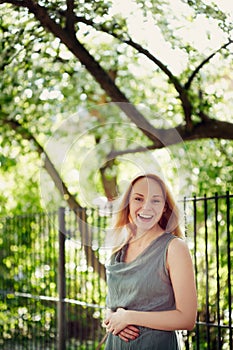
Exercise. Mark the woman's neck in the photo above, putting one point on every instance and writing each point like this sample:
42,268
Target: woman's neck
145,236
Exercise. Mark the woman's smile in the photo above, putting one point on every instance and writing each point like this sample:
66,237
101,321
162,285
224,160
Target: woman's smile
145,217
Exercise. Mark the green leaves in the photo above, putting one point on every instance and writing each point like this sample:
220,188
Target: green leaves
6,163
43,84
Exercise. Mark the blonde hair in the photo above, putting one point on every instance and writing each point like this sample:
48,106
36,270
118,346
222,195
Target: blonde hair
169,221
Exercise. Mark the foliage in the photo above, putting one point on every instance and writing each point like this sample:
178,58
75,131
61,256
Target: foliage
20,192
206,167
40,73
88,84
26,275
29,259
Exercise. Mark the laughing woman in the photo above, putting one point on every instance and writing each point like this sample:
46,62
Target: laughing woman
151,287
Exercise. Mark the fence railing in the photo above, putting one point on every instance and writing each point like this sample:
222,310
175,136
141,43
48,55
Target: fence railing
210,220
52,285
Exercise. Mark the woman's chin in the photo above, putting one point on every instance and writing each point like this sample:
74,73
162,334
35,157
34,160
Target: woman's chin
144,226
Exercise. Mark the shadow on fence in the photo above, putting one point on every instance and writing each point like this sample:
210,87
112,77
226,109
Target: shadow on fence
52,287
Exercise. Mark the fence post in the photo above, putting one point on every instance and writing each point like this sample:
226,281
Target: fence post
61,283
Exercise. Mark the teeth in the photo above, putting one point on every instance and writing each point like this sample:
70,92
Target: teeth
145,216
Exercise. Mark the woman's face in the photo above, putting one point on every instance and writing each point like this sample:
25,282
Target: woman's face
146,204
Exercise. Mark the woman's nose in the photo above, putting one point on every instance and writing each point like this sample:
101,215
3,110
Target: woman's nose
146,205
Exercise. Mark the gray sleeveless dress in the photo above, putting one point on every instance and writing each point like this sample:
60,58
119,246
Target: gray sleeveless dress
142,285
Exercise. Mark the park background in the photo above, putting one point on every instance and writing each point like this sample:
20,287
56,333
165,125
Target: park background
93,93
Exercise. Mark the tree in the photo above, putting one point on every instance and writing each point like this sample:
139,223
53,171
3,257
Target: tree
60,55
43,29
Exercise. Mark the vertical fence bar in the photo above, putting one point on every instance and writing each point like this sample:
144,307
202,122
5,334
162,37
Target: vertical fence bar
217,272
207,272
195,266
229,271
184,333
61,283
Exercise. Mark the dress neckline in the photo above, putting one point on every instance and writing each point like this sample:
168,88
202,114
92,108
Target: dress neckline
124,249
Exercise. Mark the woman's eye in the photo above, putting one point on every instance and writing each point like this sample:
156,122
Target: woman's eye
139,199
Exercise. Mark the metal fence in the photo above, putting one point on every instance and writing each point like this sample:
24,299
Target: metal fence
52,277
210,220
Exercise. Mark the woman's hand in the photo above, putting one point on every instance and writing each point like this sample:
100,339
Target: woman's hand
129,333
116,323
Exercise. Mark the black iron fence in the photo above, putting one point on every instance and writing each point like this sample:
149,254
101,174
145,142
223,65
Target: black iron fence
52,277
210,221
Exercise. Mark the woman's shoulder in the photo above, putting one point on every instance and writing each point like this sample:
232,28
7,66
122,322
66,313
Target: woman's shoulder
178,243
169,237
178,248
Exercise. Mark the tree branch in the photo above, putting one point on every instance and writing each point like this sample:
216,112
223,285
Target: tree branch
103,78
207,129
108,85
66,195
70,17
18,3
186,105
205,61
48,165
100,75
130,42
185,102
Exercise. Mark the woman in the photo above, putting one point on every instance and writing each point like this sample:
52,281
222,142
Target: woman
151,287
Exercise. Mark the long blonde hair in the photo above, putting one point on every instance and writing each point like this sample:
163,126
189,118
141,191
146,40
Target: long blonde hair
169,221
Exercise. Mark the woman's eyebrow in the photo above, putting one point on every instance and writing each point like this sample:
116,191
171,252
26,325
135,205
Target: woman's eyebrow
141,195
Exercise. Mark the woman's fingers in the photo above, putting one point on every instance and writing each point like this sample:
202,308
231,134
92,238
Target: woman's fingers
129,333
105,323
133,329
123,337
